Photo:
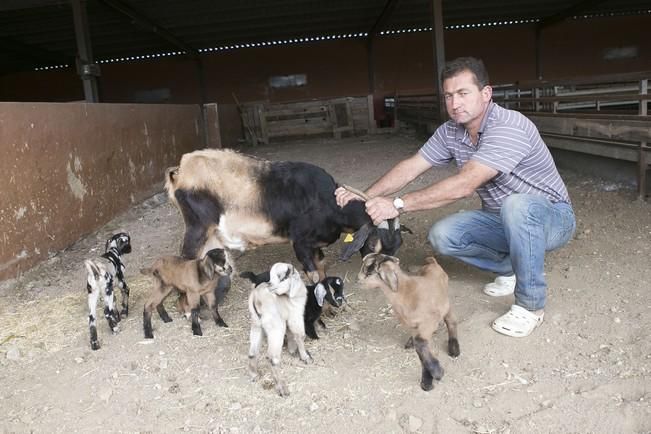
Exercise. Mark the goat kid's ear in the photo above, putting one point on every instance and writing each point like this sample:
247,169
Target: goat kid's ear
207,267
320,293
389,277
359,239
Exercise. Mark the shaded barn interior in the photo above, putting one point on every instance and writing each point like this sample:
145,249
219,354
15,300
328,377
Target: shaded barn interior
102,95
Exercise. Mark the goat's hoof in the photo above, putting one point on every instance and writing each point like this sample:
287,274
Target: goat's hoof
221,323
437,372
308,360
166,320
94,345
125,312
426,386
115,331
453,347
197,332
282,390
409,344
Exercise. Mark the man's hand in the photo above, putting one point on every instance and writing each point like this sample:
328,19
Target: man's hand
344,196
380,209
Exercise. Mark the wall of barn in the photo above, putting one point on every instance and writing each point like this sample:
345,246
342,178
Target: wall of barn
70,168
339,68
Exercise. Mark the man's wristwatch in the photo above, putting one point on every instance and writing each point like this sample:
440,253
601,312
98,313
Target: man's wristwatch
398,204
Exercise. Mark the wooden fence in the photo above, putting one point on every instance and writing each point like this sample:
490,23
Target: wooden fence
265,122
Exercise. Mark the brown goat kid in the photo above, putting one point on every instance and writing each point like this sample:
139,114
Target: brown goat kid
420,302
194,278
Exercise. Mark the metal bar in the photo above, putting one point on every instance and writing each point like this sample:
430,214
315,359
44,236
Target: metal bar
150,25
387,11
644,90
575,9
438,44
370,65
202,101
642,166
538,53
86,66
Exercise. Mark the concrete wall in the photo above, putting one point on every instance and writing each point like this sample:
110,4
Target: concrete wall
69,168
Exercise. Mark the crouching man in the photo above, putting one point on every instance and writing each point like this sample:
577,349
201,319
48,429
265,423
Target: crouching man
526,210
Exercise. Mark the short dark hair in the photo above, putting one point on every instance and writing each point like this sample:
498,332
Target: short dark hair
472,64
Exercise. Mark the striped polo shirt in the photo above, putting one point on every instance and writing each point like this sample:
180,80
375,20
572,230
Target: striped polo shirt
509,143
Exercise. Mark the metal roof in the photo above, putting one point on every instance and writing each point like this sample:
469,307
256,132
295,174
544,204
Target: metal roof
39,33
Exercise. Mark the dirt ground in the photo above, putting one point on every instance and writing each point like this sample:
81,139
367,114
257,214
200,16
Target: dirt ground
587,369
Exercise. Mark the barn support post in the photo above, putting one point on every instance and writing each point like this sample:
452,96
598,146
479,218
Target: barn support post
642,162
86,67
388,9
201,78
438,43
538,53
371,85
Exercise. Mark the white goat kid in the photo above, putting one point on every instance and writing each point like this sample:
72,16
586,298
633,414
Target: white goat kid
100,280
276,306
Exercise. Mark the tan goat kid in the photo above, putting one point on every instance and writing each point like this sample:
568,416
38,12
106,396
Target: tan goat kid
420,302
194,278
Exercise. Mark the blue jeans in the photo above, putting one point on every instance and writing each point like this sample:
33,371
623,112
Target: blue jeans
512,241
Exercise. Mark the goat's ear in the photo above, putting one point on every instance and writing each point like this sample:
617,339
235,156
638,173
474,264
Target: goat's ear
320,293
390,277
207,267
377,247
359,239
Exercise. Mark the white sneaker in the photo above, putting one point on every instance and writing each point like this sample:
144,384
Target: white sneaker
503,285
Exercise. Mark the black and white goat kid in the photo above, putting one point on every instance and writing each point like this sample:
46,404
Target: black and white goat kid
317,294
101,277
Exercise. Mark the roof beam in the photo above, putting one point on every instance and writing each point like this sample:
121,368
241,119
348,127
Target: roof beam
573,10
389,7
33,53
144,21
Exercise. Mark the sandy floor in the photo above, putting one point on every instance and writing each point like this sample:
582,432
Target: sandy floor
587,369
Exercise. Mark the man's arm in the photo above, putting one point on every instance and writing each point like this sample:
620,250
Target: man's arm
471,176
399,176
394,180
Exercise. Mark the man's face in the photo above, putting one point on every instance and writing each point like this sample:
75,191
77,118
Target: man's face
464,100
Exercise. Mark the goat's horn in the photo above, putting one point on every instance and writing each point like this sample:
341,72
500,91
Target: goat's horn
359,193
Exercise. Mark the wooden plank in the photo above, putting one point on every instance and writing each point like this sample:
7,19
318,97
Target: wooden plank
299,122
296,111
603,148
299,132
633,131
